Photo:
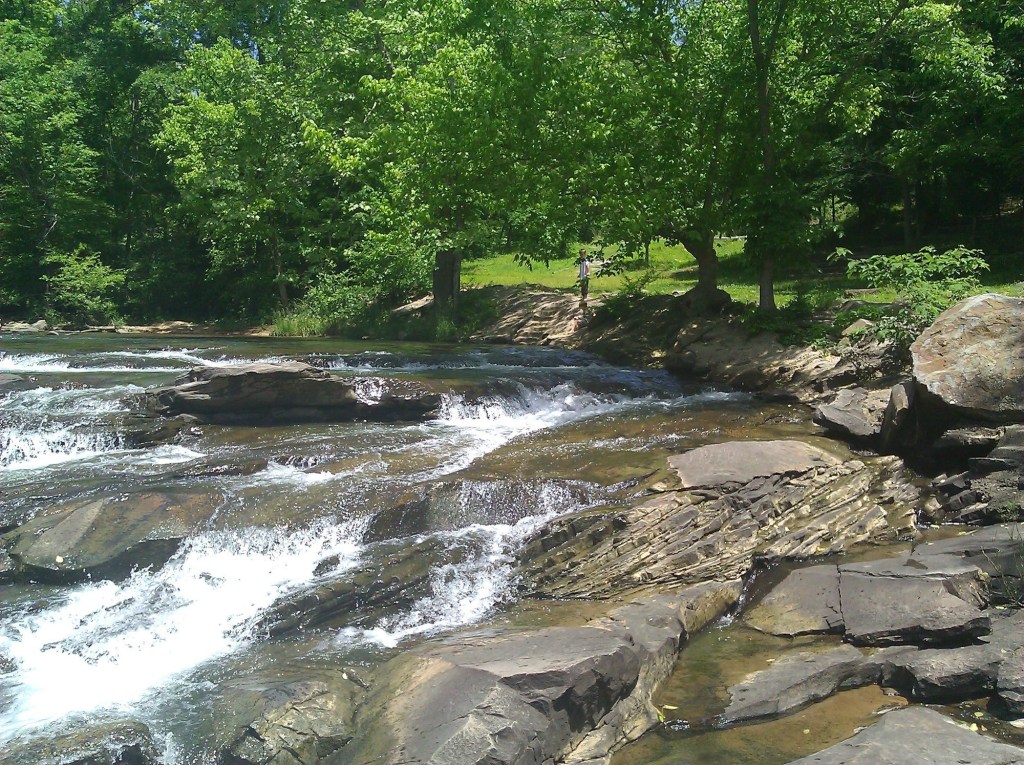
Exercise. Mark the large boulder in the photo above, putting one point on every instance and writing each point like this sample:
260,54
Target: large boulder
917,736
969,359
289,392
107,537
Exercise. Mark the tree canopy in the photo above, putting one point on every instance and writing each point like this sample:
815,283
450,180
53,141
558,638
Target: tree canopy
193,159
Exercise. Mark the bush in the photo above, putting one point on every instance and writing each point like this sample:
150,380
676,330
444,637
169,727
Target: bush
80,288
926,283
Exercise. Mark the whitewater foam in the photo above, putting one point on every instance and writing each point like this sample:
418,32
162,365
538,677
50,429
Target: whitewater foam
108,645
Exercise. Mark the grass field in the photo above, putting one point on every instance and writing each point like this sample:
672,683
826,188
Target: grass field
674,270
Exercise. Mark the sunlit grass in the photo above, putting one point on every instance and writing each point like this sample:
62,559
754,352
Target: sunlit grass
676,271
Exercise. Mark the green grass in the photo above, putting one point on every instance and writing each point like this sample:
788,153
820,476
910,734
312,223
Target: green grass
676,271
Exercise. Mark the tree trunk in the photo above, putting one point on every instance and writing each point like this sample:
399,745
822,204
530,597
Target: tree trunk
769,160
282,284
908,216
701,244
447,279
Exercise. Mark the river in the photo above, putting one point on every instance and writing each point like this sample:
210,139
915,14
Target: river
523,435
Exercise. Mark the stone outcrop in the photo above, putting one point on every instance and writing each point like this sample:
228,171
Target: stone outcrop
119,743
917,736
856,414
991,489
918,600
569,694
969,362
715,532
290,392
264,721
106,537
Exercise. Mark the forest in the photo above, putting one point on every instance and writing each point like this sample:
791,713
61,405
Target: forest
243,160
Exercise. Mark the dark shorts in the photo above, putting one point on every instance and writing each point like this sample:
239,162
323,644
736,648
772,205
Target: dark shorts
584,286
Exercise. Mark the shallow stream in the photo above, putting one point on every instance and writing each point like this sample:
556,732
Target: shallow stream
523,435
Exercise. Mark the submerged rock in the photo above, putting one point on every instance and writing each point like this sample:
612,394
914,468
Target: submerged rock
290,392
107,537
120,743
969,362
917,736
795,681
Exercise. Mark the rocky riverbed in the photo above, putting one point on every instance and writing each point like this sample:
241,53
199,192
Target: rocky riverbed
610,594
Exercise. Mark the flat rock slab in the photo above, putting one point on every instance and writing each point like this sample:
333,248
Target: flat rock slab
1010,682
970,358
806,602
739,462
942,674
109,536
893,601
892,604
289,392
917,736
530,696
794,681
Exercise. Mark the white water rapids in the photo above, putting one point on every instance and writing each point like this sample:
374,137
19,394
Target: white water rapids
123,648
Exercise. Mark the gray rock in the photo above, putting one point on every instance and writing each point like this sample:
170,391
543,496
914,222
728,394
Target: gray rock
10,383
903,601
298,722
794,681
107,537
530,696
805,602
1010,681
998,550
855,413
943,674
916,736
119,743
291,392
739,462
687,537
25,327
899,423
968,360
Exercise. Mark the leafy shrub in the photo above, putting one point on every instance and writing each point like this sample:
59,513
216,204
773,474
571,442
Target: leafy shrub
80,288
926,283
623,303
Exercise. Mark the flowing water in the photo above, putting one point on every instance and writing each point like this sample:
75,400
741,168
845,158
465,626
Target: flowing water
523,435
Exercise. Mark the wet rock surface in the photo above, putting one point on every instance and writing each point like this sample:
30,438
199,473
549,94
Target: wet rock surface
290,392
563,693
119,743
264,721
106,537
917,735
715,532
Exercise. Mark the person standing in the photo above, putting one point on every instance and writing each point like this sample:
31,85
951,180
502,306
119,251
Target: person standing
584,279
